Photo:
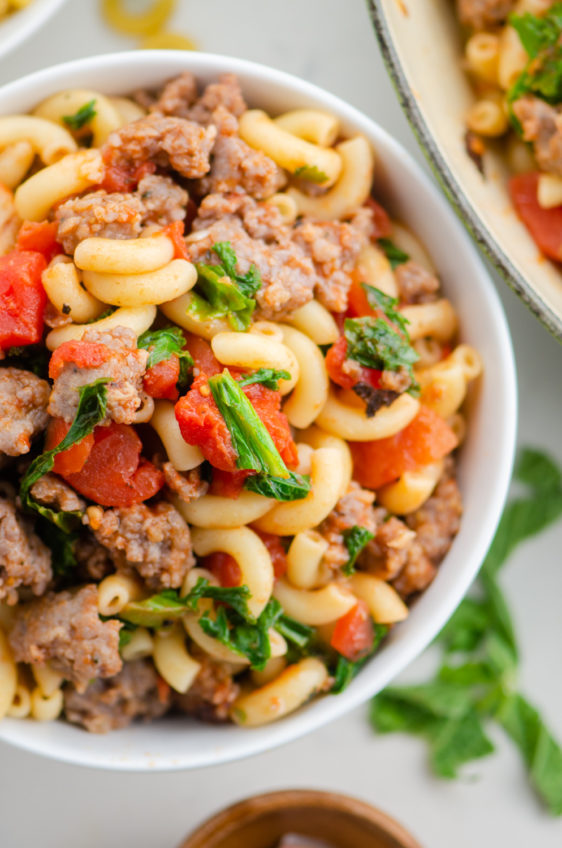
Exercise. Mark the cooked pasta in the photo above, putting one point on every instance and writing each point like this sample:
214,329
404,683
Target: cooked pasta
243,424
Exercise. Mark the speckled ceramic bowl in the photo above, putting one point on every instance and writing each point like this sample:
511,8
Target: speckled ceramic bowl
421,45
19,26
487,453
341,821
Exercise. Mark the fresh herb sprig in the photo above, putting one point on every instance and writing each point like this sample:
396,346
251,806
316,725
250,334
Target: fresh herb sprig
372,343
82,116
389,305
268,377
162,344
355,538
541,39
393,253
92,407
168,606
476,682
223,291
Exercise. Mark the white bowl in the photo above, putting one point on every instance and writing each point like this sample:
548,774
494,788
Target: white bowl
19,26
487,455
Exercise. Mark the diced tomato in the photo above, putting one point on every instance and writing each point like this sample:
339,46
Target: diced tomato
82,354
160,380
224,567
382,227
544,225
354,633
162,689
357,302
425,440
115,474
203,357
40,237
335,359
121,177
276,551
22,298
228,485
174,232
202,424
73,459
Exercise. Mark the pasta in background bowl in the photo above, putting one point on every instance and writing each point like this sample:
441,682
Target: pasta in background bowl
21,20
485,459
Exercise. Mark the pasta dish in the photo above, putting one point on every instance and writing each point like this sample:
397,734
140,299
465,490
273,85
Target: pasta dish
231,391
514,59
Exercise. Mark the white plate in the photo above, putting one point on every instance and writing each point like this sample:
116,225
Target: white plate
487,455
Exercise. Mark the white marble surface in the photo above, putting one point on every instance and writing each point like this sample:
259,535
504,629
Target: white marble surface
328,42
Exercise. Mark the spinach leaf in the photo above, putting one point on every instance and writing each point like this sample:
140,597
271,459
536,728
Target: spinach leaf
294,632
268,377
542,75
295,487
245,639
91,411
372,343
248,283
389,305
393,253
82,116
61,545
162,344
167,605
226,293
355,538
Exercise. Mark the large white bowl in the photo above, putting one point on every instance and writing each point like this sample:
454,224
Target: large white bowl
19,26
487,455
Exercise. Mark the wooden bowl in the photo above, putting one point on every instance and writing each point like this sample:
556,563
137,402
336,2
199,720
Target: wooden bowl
260,822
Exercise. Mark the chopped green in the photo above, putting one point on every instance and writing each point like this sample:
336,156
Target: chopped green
61,545
355,538
244,638
268,377
223,292
254,446
105,314
91,411
295,487
389,305
169,606
476,683
372,343
393,253
294,632
82,116
126,634
162,344
311,173
540,37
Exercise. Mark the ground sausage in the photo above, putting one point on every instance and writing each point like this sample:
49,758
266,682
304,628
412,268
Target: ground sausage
93,560
155,541
258,237
23,409
175,98
98,214
115,702
542,126
124,367
354,509
52,491
437,522
481,14
212,693
236,166
168,142
24,560
187,486
225,94
415,283
163,201
66,630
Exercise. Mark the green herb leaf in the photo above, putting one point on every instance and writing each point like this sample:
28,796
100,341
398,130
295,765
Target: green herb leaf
82,116
295,487
126,634
248,283
61,544
538,33
541,753
294,632
456,742
372,343
542,75
389,305
167,605
268,377
311,173
91,411
245,639
162,344
254,446
226,293
393,253
355,538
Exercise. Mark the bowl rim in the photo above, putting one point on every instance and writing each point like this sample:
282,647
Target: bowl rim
26,23
397,655
445,175
226,820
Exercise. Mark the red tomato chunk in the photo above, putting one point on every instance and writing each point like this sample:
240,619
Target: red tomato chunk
224,567
354,633
40,237
160,380
74,458
335,359
22,298
276,550
544,225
